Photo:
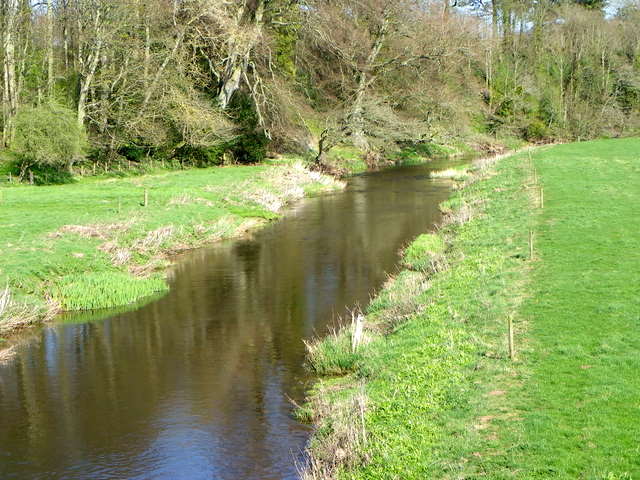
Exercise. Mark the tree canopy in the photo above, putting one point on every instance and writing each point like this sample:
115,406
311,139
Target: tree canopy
207,80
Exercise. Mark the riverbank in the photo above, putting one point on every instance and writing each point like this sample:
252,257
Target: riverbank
101,243
423,385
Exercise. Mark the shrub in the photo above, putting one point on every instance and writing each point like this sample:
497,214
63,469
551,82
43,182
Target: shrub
202,156
49,136
536,131
50,175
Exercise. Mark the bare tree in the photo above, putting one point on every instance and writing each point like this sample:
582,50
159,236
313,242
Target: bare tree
10,91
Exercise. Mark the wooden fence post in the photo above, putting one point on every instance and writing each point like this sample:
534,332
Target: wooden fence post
512,350
531,244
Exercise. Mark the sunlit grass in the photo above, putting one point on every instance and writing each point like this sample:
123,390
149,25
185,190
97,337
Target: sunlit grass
93,291
420,254
445,400
52,236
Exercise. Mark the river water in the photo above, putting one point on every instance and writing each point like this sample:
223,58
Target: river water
198,384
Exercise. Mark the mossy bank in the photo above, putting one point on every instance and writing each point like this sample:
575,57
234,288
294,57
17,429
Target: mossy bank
423,386
105,242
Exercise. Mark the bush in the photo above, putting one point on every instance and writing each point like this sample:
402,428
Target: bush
49,136
536,131
50,175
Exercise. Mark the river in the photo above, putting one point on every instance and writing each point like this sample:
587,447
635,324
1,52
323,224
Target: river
199,384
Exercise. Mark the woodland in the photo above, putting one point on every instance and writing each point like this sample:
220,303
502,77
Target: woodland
99,84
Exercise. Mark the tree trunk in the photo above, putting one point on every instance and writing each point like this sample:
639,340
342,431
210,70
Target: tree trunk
10,92
239,53
156,79
495,17
147,53
365,78
90,71
50,74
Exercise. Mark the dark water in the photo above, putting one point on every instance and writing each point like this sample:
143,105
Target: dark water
197,385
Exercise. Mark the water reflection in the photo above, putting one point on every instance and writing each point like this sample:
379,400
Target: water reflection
196,385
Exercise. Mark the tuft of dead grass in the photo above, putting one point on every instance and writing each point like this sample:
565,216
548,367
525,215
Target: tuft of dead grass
5,303
186,199
344,434
99,231
15,316
154,239
451,173
398,301
282,185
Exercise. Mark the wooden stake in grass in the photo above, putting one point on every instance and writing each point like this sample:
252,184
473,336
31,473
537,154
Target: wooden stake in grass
146,198
512,350
357,321
541,197
531,244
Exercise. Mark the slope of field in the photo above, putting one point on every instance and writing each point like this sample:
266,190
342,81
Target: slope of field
441,396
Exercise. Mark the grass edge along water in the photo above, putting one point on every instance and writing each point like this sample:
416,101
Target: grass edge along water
106,243
432,391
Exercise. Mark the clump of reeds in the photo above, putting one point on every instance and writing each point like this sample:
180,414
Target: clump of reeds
338,352
460,215
14,315
399,300
104,290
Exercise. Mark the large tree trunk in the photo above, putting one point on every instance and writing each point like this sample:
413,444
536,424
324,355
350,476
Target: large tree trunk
239,52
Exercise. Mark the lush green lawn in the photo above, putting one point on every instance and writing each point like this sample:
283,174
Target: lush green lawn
443,398
94,244
579,399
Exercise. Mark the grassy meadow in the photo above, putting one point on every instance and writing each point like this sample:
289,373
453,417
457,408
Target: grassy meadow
94,244
428,389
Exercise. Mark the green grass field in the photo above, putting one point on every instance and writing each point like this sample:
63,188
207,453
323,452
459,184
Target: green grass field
93,244
443,398
577,394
